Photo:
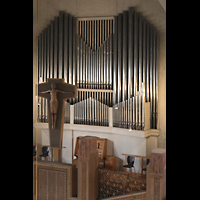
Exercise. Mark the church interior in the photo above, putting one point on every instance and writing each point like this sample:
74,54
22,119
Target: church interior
99,99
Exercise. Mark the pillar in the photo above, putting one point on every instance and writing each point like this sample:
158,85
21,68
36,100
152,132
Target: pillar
87,168
71,114
110,116
57,155
156,175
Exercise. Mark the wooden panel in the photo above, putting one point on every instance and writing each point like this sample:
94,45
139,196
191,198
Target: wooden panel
102,147
55,181
110,162
42,184
34,179
57,155
52,184
61,185
76,147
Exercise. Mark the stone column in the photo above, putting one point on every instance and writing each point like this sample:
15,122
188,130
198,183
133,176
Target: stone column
156,175
87,168
110,116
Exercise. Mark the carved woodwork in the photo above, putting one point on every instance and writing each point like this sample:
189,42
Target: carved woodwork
54,180
87,169
156,175
64,91
110,162
101,146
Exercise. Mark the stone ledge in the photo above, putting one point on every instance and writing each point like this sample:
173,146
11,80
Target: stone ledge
101,129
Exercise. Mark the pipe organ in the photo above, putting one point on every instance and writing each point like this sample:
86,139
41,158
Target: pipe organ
112,60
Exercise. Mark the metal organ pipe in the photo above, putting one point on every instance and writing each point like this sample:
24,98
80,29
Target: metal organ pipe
111,60
147,66
144,70
77,55
140,71
55,47
135,51
154,82
60,45
124,54
48,50
74,77
43,74
119,57
51,51
115,56
157,42
151,75
66,51
100,54
130,53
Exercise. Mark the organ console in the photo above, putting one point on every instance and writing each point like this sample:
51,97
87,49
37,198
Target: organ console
101,148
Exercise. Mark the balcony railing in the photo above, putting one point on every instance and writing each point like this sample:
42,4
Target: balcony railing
115,183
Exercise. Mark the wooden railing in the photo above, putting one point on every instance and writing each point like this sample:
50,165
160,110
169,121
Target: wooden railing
138,156
115,183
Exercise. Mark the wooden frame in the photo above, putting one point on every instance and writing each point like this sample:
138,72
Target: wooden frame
135,156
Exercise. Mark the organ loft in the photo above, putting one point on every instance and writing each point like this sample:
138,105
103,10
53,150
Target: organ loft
99,76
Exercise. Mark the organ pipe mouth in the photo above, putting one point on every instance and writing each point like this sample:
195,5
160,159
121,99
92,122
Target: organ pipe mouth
116,107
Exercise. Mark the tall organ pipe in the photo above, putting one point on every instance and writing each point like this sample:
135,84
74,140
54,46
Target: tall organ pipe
144,71
135,53
66,44
140,70
60,46
86,65
151,74
55,46
51,50
144,53
119,58
78,55
70,49
74,77
44,56
157,42
154,78
115,56
70,53
147,71
83,52
80,65
111,60
124,53
130,53
48,50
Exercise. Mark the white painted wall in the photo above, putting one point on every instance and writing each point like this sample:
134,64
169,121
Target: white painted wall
119,140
